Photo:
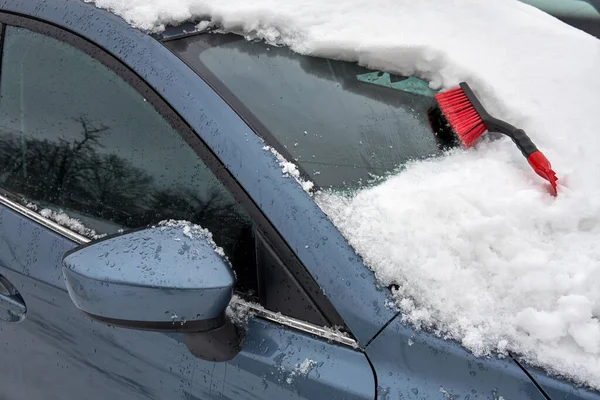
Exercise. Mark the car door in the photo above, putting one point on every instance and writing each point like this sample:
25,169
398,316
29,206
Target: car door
87,149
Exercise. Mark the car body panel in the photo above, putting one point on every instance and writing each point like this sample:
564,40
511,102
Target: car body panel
418,365
56,352
557,389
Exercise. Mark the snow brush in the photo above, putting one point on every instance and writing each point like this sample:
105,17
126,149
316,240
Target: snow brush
469,121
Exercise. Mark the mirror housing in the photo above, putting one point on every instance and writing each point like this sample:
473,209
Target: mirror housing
169,278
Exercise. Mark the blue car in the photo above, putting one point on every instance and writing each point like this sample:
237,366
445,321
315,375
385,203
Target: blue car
111,138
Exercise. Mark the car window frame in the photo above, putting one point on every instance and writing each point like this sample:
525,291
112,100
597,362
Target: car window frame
255,124
310,287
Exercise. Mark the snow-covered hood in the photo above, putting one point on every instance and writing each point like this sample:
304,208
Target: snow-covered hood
479,250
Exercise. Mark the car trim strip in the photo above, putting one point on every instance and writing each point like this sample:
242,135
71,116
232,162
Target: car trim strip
61,230
255,309
296,324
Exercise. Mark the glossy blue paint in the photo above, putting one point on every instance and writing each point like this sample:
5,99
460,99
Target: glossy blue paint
159,274
319,245
58,353
12,306
418,365
294,364
557,389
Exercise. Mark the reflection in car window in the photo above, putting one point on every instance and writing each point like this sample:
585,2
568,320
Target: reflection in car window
75,137
339,122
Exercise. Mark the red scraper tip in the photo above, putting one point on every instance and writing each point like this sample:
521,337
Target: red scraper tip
542,167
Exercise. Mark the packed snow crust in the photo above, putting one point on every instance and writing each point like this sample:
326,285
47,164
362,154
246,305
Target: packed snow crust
194,231
62,219
479,250
290,169
302,370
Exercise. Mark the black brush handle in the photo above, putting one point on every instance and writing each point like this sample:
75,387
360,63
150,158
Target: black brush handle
517,135
523,142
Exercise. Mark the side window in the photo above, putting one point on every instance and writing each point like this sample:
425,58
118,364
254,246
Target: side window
76,139
78,143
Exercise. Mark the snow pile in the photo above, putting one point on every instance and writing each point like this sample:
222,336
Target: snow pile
495,273
240,311
479,250
290,169
64,220
194,231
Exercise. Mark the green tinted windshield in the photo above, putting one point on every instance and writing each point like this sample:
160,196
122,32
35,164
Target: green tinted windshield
340,123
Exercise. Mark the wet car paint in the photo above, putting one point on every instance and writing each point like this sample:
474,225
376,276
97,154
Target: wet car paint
419,365
58,352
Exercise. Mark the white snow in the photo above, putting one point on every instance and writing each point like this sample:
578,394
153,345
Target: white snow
63,219
290,169
193,231
301,370
480,251
306,366
240,310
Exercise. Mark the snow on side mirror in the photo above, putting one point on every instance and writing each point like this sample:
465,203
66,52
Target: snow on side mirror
169,278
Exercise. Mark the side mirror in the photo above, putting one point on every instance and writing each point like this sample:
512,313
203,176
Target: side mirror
169,278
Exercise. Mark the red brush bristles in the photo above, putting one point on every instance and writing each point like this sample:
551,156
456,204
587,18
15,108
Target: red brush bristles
461,115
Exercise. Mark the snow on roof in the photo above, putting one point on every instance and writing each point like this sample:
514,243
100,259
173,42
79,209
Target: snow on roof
480,251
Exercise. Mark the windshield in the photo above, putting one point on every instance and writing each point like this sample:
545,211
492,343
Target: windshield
340,123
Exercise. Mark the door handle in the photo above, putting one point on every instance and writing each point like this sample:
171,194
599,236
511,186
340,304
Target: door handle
12,306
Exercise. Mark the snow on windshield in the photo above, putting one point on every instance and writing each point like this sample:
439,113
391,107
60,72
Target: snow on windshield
479,250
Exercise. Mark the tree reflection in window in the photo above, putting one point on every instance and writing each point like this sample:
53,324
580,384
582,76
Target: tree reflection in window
73,175
75,137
